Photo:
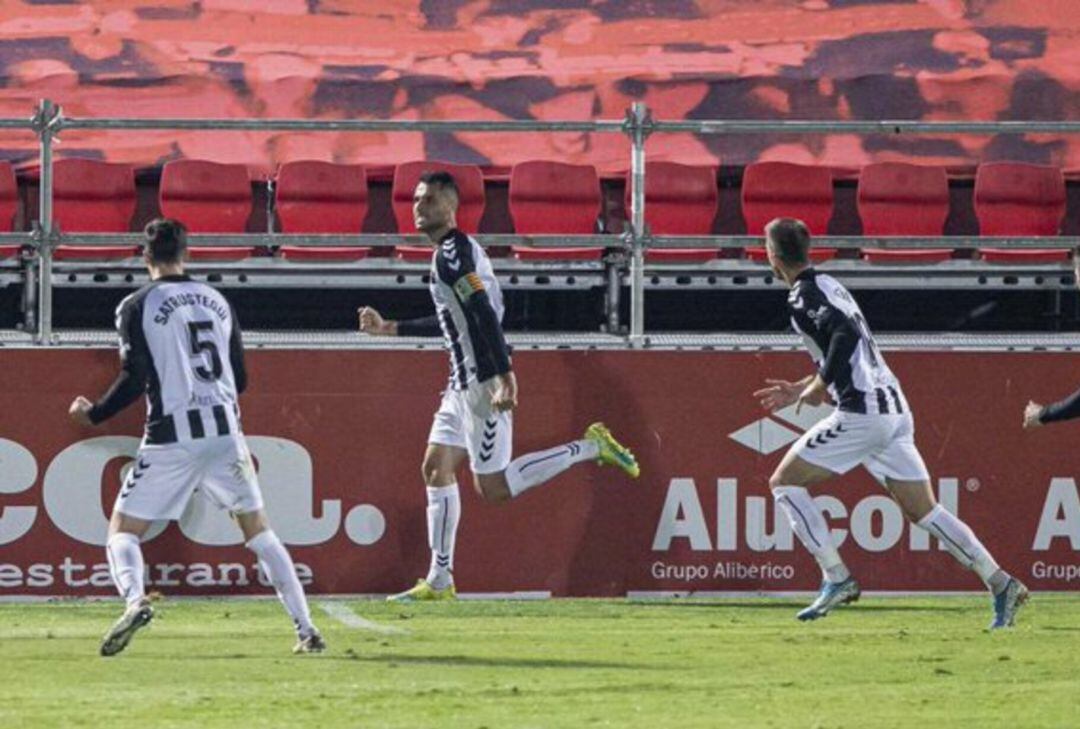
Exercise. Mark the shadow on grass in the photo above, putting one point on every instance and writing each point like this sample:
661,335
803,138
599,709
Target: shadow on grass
798,605
714,605
481,661
350,654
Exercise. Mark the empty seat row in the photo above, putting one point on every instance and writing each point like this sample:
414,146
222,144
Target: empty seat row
556,198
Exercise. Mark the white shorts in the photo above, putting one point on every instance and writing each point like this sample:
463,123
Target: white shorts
164,477
885,444
466,420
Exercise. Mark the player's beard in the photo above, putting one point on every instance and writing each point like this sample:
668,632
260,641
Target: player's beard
428,228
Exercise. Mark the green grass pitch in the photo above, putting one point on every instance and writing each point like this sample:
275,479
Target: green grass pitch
885,662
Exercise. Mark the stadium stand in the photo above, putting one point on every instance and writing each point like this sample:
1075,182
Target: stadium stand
897,198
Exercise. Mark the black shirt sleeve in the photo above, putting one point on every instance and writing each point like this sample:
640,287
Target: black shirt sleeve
424,326
236,354
843,339
130,383
478,307
1066,409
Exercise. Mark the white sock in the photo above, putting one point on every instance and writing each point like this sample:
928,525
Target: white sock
810,527
964,545
278,566
535,468
126,566
443,514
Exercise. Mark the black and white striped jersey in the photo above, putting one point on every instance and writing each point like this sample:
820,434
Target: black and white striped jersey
469,308
842,347
180,345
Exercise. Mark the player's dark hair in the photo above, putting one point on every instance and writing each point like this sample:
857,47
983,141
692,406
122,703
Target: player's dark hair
166,240
791,238
442,180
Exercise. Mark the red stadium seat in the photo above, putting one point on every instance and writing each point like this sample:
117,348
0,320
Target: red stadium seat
90,196
1013,198
208,197
7,252
221,253
817,255
525,253
679,199
93,197
95,253
680,255
1025,255
470,184
908,255
897,198
325,254
785,190
321,197
9,197
205,196
1019,199
553,198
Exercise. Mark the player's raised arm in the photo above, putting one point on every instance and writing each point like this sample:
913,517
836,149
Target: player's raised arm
372,322
1067,409
130,382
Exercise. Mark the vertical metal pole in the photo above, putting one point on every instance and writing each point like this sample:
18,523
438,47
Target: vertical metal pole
270,205
29,296
47,112
612,296
638,119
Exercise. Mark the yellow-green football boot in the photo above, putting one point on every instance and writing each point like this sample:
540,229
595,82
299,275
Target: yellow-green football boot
422,591
612,452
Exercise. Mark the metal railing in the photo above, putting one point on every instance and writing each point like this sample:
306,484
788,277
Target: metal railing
638,125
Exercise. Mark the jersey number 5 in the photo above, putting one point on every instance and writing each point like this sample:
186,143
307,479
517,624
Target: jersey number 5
204,347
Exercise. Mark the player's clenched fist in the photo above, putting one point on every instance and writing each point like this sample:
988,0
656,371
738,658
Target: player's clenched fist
80,410
505,394
371,322
1033,415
